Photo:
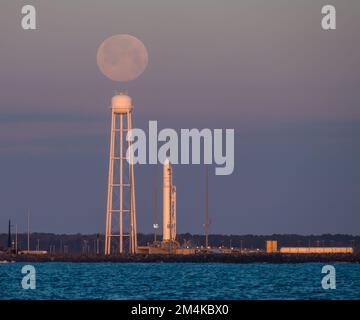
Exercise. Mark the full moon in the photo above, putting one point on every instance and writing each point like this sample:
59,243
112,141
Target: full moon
122,57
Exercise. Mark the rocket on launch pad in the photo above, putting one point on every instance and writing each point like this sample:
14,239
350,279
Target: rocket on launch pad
169,204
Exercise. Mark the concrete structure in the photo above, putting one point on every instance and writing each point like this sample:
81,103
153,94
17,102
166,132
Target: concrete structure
165,250
185,251
121,179
318,250
169,204
271,246
34,252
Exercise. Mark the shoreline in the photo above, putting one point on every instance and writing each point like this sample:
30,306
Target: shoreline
195,258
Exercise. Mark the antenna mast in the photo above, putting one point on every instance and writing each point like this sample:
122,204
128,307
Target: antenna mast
28,231
206,207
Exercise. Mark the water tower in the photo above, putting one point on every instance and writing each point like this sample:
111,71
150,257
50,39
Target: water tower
121,210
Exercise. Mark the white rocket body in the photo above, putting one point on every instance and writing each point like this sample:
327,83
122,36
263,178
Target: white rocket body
169,204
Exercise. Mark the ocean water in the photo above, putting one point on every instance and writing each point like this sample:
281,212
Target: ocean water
179,281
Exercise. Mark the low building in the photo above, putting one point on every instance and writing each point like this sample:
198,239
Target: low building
318,250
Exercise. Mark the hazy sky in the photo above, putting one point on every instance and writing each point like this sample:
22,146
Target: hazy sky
265,68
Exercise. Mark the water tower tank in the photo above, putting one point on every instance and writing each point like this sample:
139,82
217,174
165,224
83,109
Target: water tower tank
121,103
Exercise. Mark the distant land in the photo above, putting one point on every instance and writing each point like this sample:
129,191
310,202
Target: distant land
87,243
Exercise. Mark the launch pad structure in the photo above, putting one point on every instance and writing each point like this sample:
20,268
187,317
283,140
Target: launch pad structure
169,209
169,204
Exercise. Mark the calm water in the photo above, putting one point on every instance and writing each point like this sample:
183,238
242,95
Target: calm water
179,281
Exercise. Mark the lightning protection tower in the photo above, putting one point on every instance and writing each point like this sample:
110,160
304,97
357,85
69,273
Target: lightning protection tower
120,211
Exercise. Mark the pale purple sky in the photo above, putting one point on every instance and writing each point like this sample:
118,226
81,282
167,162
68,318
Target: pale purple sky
265,68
